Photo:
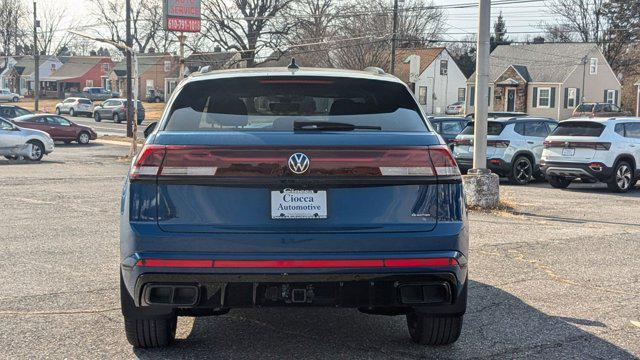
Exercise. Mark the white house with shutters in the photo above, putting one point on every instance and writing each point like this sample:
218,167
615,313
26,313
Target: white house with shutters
547,80
439,82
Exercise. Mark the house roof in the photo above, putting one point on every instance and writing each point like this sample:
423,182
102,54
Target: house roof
147,61
216,60
427,55
26,65
75,67
550,62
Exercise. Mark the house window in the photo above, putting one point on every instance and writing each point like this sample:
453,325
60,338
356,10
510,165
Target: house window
150,84
105,67
472,95
89,83
422,95
53,67
572,97
593,66
611,96
544,97
444,67
462,94
167,66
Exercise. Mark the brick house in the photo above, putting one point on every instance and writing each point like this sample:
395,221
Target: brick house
78,72
547,80
159,72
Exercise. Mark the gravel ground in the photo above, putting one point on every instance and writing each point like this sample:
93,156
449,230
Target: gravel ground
559,277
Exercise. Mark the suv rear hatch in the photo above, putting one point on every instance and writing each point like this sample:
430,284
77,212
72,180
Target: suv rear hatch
575,141
463,143
295,155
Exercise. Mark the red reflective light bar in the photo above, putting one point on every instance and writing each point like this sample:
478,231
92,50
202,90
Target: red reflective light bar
298,263
578,144
175,263
281,264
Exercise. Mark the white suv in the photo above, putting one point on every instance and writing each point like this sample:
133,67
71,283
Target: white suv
514,147
594,149
75,106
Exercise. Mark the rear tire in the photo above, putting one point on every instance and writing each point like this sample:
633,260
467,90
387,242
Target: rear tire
428,329
521,171
150,332
559,182
622,178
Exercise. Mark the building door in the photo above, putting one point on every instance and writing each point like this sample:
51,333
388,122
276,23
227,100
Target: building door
511,100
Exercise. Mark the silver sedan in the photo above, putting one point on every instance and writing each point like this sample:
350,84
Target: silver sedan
17,142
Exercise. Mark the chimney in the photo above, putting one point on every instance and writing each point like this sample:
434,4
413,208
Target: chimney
217,49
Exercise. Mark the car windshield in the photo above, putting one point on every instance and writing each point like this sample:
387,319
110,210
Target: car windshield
277,103
585,108
579,128
493,128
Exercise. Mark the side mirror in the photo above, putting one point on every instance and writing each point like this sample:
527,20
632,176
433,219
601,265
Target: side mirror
150,129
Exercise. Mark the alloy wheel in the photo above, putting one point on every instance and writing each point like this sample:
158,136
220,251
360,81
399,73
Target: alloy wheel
83,138
523,171
36,152
623,177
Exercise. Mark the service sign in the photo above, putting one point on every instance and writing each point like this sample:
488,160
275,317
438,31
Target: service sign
182,15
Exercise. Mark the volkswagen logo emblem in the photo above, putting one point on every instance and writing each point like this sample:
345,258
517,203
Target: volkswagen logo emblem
299,163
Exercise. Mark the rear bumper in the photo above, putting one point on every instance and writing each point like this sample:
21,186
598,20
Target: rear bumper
576,170
439,289
497,166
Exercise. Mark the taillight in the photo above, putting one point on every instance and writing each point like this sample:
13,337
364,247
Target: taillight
498,143
578,144
148,162
199,161
462,141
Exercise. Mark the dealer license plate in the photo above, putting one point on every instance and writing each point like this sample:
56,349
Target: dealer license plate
298,204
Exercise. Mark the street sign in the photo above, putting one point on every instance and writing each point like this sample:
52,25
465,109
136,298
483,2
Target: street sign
182,15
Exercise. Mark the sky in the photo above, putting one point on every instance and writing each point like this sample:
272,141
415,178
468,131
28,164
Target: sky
523,20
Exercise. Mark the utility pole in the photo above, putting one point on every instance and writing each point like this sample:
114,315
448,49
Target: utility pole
482,86
182,38
481,187
584,74
131,117
36,59
394,37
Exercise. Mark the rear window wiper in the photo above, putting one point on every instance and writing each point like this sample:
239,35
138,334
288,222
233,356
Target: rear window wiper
330,126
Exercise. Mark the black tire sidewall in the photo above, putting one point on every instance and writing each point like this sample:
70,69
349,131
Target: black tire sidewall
512,176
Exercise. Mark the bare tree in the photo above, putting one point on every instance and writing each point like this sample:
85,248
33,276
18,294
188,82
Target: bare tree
248,26
145,26
370,30
51,35
12,35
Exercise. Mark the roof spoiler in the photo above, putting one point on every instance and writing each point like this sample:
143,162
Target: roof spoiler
374,70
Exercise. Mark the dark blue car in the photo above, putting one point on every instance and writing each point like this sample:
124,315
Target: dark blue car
293,188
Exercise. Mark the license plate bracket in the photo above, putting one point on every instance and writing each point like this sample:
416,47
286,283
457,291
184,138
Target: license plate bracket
299,204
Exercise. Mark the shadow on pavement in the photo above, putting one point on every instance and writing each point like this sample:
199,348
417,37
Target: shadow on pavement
76,145
497,324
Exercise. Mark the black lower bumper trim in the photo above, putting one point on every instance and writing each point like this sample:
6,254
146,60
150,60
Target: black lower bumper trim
438,292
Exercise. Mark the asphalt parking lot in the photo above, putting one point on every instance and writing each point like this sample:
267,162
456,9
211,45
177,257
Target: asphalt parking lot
557,277
107,127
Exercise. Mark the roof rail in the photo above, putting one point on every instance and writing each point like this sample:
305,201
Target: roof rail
374,69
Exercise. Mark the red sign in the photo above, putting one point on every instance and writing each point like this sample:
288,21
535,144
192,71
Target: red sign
182,15
183,24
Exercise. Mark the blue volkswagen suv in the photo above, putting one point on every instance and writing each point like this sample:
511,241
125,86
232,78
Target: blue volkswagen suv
293,188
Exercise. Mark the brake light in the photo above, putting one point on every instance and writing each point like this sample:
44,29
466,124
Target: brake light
498,143
200,161
148,162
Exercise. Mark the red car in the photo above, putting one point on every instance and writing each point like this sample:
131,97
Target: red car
59,128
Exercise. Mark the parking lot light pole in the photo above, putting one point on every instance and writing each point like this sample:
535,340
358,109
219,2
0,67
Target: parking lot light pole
481,186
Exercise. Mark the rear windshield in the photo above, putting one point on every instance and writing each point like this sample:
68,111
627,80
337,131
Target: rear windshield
493,128
585,108
275,103
84,101
578,128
